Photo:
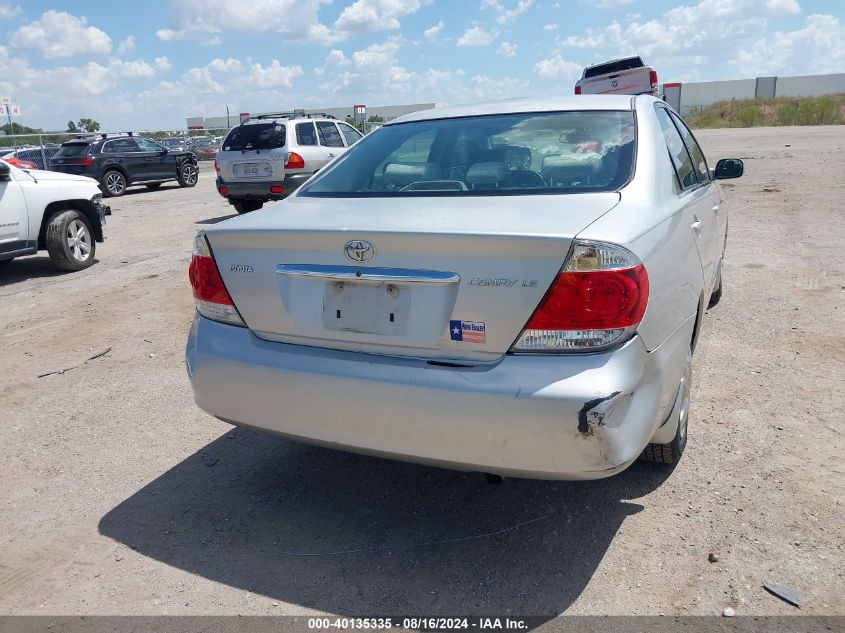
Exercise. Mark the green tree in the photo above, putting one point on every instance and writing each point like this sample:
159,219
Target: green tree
71,127
89,125
375,119
17,128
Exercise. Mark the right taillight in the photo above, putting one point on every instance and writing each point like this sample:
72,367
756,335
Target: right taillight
294,161
577,90
652,77
210,294
597,300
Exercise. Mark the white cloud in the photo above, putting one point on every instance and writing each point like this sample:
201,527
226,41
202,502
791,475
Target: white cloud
59,34
228,65
337,58
203,19
375,15
162,63
557,68
378,56
477,36
506,49
817,47
610,4
503,14
126,46
709,32
550,27
7,11
272,77
432,33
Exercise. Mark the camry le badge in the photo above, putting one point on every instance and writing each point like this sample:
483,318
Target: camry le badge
359,250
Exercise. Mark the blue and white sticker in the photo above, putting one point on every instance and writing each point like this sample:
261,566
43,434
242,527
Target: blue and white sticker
468,331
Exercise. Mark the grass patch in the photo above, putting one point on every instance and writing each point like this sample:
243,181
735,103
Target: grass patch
825,110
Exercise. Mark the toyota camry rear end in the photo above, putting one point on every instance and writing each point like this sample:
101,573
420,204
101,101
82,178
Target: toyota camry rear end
491,289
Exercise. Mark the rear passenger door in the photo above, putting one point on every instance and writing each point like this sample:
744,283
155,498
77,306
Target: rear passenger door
125,153
694,195
308,147
720,216
330,139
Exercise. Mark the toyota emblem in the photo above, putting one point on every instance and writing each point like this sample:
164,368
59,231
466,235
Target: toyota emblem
359,250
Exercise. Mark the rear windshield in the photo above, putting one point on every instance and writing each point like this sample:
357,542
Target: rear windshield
554,152
613,67
71,150
255,136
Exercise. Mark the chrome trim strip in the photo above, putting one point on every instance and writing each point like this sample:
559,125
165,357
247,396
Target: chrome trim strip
361,273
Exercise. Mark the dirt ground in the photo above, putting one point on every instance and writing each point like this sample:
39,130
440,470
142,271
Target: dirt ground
120,496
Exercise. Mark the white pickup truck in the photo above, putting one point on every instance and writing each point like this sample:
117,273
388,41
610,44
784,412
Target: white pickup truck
626,76
47,210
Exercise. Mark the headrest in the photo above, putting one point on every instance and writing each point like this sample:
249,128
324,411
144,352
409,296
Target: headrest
402,174
487,175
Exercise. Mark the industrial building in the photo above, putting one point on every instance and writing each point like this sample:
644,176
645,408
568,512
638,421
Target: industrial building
355,111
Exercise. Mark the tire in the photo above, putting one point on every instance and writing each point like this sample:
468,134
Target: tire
70,241
245,206
671,453
113,184
187,175
717,293
153,185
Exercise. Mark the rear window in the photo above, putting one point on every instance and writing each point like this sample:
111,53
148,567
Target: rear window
255,136
614,67
554,152
72,150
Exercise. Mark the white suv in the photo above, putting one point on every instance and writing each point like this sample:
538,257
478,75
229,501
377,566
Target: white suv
48,210
269,156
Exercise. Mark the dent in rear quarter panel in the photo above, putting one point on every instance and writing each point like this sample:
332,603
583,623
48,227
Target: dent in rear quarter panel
650,221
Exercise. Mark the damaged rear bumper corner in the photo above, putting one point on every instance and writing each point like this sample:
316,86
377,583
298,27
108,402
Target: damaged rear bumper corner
545,417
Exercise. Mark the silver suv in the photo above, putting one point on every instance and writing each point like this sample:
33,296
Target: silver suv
269,156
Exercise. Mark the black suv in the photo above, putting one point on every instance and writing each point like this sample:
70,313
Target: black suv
118,162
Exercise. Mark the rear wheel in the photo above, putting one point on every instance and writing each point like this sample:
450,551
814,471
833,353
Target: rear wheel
245,206
70,241
113,184
188,175
671,453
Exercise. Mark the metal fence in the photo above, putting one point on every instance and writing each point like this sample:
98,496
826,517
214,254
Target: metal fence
39,148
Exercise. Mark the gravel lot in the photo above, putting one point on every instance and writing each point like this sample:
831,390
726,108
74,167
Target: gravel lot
120,496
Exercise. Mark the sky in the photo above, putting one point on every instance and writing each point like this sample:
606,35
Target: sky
149,65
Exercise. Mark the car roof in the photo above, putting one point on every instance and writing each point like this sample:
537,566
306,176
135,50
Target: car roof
511,106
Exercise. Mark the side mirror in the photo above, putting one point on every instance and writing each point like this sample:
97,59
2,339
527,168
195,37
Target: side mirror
5,170
729,168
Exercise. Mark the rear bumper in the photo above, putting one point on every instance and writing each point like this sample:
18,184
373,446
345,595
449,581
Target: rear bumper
261,190
545,417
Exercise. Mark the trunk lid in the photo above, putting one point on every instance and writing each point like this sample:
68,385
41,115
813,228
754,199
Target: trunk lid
450,278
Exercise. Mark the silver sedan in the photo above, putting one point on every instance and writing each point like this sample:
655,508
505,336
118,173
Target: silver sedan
513,288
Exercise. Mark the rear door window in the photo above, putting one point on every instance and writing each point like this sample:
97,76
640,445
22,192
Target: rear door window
681,160
614,67
306,134
72,150
329,136
148,146
120,146
255,136
349,133
698,160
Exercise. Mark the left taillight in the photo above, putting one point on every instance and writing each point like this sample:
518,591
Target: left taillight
652,77
596,301
210,294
